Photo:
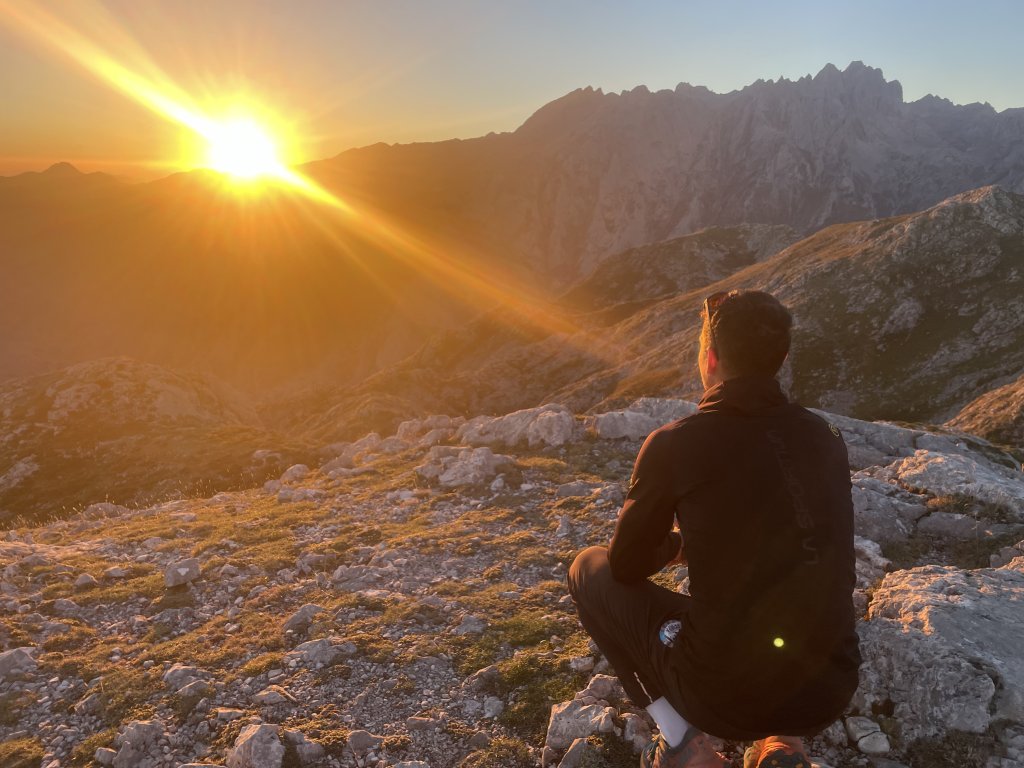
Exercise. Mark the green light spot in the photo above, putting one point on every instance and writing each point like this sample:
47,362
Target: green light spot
778,642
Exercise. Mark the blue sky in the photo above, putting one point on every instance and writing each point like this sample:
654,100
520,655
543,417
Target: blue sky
348,73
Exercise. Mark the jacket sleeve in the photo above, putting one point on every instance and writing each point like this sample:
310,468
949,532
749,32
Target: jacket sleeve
644,541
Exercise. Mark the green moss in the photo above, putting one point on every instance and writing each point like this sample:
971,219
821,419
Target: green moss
21,753
83,752
501,753
956,750
13,704
260,664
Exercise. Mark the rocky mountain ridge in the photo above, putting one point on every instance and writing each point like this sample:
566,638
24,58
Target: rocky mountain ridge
594,173
403,604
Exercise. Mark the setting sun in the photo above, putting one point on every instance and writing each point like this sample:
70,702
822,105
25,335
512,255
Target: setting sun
242,148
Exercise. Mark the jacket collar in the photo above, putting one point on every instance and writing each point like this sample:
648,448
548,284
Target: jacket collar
746,394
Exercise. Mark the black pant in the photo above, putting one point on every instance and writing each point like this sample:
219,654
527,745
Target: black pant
624,619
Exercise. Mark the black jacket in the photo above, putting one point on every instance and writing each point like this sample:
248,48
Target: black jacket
760,488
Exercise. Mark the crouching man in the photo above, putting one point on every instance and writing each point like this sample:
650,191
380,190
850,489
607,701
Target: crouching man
764,646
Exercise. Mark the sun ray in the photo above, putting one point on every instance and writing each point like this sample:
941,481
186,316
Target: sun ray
454,272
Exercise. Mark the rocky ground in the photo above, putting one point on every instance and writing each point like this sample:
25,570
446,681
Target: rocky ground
403,604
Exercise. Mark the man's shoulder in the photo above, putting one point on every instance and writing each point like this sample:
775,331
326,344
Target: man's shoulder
684,428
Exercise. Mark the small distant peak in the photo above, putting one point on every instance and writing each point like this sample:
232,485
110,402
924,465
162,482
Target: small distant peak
62,169
640,90
829,71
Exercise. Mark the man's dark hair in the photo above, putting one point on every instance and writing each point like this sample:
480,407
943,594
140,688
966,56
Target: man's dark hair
749,330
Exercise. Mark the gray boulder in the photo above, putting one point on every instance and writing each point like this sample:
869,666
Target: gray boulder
573,720
178,676
943,474
17,661
181,572
551,425
882,511
257,746
943,645
299,621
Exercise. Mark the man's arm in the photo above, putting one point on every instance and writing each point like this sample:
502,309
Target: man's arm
644,541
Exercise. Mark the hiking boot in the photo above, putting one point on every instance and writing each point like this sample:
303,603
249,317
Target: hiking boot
694,751
776,753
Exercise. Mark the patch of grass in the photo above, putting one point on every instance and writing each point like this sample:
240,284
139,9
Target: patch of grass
957,750
124,694
923,549
261,663
322,726
83,752
533,682
612,752
77,637
13,704
21,753
501,753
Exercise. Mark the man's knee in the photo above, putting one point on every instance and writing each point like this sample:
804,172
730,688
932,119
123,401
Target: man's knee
587,571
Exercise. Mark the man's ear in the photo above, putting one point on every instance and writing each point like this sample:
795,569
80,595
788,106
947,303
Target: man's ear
712,363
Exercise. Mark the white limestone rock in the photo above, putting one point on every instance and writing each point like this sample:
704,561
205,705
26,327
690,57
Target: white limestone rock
942,474
882,511
323,652
455,468
936,640
178,676
573,720
551,425
604,688
618,425
16,662
299,621
635,731
580,753
181,572
257,746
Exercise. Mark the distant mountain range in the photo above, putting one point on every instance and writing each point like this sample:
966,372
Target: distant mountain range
592,174
269,294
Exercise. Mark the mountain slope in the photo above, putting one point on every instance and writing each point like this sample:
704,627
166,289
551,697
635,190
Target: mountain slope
902,318
997,415
121,431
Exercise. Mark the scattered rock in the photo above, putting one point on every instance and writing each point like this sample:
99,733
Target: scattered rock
181,572
300,620
16,661
361,742
86,581
573,720
257,746
580,753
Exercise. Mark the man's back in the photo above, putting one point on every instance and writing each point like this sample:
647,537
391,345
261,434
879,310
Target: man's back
761,490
